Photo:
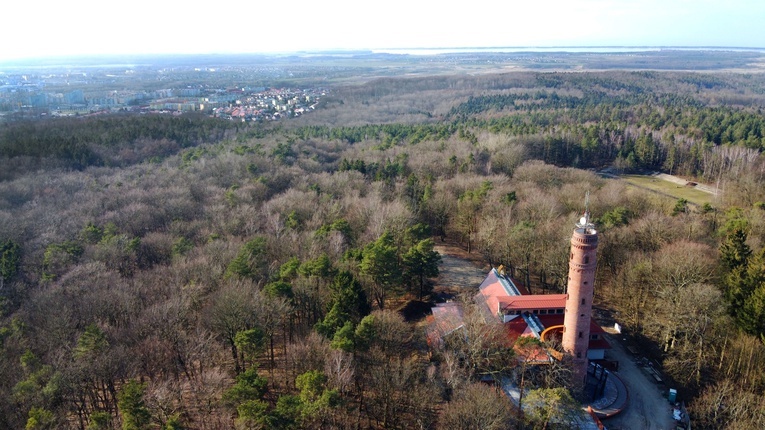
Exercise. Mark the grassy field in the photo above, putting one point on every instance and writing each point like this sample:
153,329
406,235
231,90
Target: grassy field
669,189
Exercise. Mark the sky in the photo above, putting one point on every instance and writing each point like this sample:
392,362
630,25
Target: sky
52,28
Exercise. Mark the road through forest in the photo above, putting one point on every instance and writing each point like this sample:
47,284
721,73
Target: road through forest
648,408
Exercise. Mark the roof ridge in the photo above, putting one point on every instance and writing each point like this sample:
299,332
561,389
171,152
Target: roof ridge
507,284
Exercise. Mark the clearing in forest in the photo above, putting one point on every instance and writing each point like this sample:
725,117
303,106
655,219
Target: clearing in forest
670,186
459,271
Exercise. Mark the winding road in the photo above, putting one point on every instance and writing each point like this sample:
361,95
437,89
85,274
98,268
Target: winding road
647,409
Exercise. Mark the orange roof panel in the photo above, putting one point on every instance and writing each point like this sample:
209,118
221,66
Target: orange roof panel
537,301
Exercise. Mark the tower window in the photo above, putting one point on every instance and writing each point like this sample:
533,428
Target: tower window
572,255
578,355
586,259
581,334
583,301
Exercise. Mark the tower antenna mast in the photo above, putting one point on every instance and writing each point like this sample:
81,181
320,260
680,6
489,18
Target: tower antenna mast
587,207
584,221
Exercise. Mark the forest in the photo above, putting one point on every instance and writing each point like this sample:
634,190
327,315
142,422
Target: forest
187,272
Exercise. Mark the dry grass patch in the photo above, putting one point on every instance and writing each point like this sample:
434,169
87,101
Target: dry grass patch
670,189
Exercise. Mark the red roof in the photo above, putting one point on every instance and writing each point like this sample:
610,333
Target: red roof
517,327
495,286
535,355
499,292
446,318
557,319
537,301
599,343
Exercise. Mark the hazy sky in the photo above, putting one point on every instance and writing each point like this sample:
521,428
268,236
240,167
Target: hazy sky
71,27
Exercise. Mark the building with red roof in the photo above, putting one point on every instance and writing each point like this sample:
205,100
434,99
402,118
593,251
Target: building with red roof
523,314
446,319
547,317
562,322
502,299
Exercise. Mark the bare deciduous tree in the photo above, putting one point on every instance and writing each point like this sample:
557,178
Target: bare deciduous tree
478,406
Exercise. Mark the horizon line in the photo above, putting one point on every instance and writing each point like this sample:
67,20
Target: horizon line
527,48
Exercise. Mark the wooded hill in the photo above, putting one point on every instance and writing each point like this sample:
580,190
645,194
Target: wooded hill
192,273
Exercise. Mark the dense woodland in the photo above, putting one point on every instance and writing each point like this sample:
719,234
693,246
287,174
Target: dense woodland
184,272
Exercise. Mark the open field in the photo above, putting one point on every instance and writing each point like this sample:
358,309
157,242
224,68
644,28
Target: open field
670,189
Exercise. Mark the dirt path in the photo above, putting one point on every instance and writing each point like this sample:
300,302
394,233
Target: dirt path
680,181
459,271
647,408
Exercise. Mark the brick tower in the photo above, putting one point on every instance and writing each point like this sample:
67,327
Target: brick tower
581,280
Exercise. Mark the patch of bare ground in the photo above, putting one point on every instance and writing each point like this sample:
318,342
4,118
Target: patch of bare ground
459,270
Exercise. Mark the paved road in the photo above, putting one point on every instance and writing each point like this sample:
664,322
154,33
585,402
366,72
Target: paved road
648,408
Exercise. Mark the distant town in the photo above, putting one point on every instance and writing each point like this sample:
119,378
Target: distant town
253,87
102,91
